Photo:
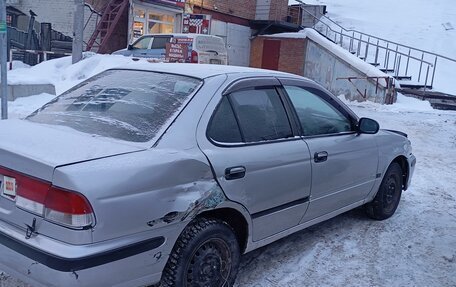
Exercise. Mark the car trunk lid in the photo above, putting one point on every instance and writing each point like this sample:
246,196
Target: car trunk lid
31,151
36,149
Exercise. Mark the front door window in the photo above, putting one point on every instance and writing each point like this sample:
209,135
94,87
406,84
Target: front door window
317,116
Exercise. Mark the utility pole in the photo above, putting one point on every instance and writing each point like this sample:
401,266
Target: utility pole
78,30
3,59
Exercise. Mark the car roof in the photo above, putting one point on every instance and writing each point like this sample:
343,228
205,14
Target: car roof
200,71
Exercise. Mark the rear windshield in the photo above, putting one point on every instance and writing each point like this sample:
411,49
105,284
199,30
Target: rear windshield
210,44
122,104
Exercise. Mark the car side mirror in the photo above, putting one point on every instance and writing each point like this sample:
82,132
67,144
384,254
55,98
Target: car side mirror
368,126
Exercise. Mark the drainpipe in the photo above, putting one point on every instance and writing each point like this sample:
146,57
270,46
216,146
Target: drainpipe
78,31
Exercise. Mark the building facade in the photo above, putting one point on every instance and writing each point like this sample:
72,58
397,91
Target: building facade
59,13
236,21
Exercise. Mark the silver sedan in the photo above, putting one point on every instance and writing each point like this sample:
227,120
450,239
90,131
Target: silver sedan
167,173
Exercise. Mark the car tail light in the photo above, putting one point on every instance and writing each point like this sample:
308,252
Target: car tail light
57,205
31,194
194,57
68,208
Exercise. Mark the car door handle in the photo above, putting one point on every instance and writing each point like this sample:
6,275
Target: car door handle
235,172
321,156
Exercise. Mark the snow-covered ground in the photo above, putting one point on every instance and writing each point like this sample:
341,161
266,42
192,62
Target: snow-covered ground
417,23
416,247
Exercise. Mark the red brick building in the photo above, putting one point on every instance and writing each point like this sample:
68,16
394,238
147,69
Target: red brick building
283,54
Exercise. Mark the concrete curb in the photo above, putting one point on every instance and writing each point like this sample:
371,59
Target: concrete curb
26,90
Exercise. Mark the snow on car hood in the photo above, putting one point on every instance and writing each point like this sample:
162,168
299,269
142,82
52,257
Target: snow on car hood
36,149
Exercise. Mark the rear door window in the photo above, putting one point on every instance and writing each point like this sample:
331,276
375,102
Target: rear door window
261,114
210,44
223,126
160,42
250,116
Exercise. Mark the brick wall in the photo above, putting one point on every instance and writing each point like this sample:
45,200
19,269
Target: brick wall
279,10
291,58
307,57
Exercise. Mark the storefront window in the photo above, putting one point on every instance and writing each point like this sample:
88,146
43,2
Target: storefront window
139,23
161,23
140,13
152,19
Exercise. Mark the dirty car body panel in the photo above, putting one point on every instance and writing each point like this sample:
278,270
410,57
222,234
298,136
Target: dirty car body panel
143,183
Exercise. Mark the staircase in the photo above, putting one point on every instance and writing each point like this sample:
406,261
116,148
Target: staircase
99,40
414,69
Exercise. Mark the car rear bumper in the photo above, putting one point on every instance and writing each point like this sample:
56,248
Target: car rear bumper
60,264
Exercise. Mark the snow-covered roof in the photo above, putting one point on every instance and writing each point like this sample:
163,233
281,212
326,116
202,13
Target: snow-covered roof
340,52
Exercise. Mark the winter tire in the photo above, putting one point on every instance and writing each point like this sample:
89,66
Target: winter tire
389,194
205,255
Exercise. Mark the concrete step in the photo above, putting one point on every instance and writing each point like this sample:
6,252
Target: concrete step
415,86
440,101
403,78
25,90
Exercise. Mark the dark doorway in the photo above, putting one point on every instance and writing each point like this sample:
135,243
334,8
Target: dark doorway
271,53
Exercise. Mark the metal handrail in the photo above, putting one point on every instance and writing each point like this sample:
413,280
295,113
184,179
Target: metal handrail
372,36
386,48
389,48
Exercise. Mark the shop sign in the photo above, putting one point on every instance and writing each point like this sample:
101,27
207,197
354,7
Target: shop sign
180,3
178,50
197,23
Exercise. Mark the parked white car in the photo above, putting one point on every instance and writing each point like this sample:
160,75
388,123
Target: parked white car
185,48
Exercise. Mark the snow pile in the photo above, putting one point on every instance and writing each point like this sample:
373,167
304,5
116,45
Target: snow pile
18,65
23,107
403,105
62,74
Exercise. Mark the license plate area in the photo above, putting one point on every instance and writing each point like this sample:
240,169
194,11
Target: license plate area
8,187
215,61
